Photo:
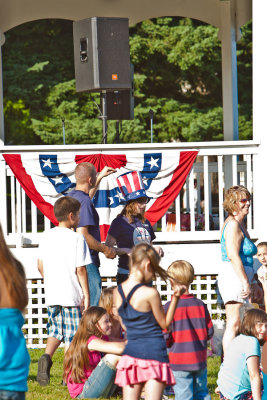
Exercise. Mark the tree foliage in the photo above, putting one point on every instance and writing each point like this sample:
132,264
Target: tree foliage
177,64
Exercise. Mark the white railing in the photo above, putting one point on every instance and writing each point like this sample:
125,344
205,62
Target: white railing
197,214
202,201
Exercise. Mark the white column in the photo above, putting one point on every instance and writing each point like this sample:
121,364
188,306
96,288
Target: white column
228,36
2,131
259,118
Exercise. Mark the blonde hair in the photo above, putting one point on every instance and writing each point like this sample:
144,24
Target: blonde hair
106,299
182,272
144,251
232,196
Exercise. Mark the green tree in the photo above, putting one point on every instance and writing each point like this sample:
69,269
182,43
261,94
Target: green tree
177,74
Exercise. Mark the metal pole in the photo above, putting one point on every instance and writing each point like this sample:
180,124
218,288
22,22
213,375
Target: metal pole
63,129
104,116
151,115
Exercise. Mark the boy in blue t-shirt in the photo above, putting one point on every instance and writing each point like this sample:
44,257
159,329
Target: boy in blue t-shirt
86,184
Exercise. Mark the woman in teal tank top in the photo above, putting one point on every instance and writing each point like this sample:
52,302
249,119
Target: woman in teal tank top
237,251
14,357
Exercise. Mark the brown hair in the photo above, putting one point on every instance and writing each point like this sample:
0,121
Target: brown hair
64,206
144,251
182,271
251,317
232,196
129,212
83,171
76,359
12,272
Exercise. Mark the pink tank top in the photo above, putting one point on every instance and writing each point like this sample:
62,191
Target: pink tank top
94,357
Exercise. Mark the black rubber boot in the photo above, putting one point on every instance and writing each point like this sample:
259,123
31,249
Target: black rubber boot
44,366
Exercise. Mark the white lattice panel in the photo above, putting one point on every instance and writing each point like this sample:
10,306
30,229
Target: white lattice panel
203,287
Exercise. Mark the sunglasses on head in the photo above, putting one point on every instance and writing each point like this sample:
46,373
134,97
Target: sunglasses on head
244,200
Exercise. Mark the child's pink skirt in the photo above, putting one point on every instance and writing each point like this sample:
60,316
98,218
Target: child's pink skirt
132,370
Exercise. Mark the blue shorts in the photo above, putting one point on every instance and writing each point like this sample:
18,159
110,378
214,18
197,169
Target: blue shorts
11,395
63,322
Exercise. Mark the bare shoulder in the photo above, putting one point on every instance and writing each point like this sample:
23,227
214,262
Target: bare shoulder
149,292
144,297
232,226
115,294
233,231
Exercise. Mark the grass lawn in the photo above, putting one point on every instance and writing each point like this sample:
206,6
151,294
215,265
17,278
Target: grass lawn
56,391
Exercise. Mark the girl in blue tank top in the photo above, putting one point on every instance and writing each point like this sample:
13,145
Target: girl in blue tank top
144,363
14,357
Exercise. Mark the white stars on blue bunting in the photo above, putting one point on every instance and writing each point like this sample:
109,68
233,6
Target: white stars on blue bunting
152,166
153,162
50,169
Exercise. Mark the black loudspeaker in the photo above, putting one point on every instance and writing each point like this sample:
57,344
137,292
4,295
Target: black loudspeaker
120,104
101,54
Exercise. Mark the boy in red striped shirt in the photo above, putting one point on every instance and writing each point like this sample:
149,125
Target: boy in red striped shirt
190,330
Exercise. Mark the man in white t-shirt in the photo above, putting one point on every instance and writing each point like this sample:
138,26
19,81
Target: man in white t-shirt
63,256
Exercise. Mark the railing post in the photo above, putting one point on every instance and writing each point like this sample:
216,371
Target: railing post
228,173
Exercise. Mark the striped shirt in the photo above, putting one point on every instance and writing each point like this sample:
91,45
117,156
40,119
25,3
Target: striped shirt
191,328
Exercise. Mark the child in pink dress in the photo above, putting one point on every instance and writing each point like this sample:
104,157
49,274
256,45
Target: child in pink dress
144,363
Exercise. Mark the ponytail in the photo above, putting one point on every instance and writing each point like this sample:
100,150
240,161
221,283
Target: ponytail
144,251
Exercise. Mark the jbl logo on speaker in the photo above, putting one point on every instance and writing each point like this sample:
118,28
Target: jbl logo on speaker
101,54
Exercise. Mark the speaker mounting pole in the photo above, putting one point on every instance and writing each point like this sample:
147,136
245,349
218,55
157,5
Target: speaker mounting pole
104,116
151,116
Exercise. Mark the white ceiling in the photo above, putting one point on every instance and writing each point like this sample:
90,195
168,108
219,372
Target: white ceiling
16,12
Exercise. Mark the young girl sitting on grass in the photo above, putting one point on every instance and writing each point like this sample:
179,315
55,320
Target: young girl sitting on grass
86,373
14,357
144,363
239,376
106,301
